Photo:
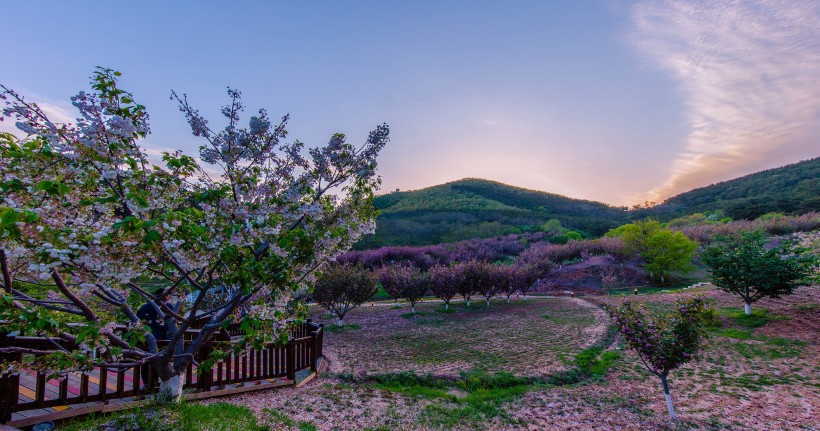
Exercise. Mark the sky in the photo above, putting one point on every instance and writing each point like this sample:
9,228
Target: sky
615,101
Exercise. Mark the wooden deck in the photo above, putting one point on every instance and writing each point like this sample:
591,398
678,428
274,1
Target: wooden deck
30,397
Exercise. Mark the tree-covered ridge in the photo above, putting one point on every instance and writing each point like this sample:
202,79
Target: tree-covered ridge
474,208
791,189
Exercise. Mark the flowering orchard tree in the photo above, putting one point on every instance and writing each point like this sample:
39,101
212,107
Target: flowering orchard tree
487,279
520,277
342,288
742,265
418,283
444,282
663,342
87,217
394,280
475,278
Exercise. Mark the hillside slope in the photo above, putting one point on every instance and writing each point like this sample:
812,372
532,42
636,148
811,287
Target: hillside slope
472,208
791,189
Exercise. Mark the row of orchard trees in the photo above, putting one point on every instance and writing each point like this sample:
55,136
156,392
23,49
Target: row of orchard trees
344,287
88,217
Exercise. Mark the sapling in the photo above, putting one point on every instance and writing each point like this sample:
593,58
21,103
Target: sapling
664,341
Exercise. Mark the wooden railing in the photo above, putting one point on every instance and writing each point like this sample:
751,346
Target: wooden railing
27,390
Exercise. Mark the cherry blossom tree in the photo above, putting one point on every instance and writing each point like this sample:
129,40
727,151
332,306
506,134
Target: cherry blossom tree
342,288
394,280
418,283
444,282
663,342
86,216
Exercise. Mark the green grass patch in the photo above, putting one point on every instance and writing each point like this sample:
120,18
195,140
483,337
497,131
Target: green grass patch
595,362
472,398
381,295
336,329
755,382
758,318
770,348
282,418
738,334
180,417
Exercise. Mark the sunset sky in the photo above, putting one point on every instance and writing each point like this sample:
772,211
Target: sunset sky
613,101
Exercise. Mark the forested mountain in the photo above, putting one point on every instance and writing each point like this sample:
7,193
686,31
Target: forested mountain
472,208
791,189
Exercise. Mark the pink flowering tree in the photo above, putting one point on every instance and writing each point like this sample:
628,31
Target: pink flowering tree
394,280
520,277
418,283
88,218
663,342
444,282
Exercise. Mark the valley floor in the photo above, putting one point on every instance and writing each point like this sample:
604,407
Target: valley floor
758,373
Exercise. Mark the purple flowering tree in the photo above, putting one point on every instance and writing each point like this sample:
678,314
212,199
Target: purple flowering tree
666,341
444,282
394,280
418,283
522,277
86,216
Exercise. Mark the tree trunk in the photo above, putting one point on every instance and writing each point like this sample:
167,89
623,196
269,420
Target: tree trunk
508,300
662,279
468,302
672,416
446,305
488,302
748,308
170,390
413,308
340,322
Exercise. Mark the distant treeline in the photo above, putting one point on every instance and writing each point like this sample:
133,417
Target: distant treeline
537,247
791,189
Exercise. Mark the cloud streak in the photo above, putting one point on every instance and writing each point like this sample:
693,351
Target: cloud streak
749,72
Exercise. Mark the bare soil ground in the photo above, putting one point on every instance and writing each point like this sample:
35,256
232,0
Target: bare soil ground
527,338
758,374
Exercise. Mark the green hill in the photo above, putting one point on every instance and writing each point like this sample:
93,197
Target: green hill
473,208
791,189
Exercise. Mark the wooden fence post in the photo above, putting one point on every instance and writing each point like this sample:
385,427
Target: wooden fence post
290,363
313,339
9,383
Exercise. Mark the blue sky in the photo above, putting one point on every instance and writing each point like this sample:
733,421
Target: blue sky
613,101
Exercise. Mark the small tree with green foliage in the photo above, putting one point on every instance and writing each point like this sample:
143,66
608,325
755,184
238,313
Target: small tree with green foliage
742,265
666,341
342,288
662,250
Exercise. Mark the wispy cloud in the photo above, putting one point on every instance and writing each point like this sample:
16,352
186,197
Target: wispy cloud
57,112
749,71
